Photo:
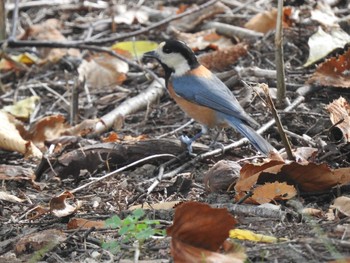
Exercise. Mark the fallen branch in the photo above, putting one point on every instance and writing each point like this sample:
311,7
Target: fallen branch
141,101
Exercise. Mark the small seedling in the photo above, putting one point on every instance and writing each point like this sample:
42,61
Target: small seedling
131,229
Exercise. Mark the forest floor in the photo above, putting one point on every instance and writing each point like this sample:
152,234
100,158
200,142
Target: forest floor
82,158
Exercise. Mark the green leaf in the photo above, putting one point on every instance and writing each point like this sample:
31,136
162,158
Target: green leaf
112,246
114,222
138,213
145,234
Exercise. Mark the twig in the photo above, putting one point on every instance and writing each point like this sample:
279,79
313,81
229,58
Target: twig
77,44
176,130
120,170
151,94
275,115
281,85
14,21
233,31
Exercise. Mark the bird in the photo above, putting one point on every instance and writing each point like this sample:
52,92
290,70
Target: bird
202,95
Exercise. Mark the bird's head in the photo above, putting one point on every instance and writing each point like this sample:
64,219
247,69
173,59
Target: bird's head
175,56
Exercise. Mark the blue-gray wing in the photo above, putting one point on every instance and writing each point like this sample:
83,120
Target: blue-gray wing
212,93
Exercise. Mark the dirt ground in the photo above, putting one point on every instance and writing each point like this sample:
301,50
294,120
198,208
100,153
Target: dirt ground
308,238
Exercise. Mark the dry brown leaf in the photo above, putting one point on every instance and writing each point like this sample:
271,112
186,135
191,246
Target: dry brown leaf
37,212
203,39
47,128
82,223
103,70
273,191
340,113
49,30
342,204
11,140
306,177
45,239
312,212
193,223
333,72
223,58
188,23
266,21
60,207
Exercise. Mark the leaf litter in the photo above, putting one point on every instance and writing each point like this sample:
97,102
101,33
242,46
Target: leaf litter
309,193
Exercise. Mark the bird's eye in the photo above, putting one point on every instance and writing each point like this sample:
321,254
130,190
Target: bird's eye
167,50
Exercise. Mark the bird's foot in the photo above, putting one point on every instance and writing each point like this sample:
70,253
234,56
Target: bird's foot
188,141
217,145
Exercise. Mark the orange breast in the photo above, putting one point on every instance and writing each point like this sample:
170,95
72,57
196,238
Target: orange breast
200,113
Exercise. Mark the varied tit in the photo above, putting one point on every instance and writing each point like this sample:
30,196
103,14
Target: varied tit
202,95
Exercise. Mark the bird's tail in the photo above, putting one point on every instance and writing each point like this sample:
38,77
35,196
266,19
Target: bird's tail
255,139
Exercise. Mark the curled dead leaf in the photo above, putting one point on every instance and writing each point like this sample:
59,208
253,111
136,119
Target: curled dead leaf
333,72
60,206
266,21
193,223
340,116
342,204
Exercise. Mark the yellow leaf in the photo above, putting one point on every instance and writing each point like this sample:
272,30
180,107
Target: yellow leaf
23,108
26,58
249,235
136,48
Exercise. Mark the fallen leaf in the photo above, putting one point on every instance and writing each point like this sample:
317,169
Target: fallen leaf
46,239
340,114
312,212
49,30
322,43
273,191
342,204
243,234
60,207
23,58
103,70
188,23
37,212
127,15
135,48
81,223
11,140
223,58
334,72
266,21
324,14
47,128
10,198
203,40
24,108
309,177
193,223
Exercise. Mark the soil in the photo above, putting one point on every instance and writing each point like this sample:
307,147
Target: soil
309,239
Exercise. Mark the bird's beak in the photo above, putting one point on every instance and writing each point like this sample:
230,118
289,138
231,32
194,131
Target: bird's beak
150,54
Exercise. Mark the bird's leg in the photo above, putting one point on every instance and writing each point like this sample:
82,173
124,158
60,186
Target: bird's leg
188,141
215,144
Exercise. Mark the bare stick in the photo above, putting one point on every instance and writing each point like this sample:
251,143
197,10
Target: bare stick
2,20
150,95
281,85
275,115
120,170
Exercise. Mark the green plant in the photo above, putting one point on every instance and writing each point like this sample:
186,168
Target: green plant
132,228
